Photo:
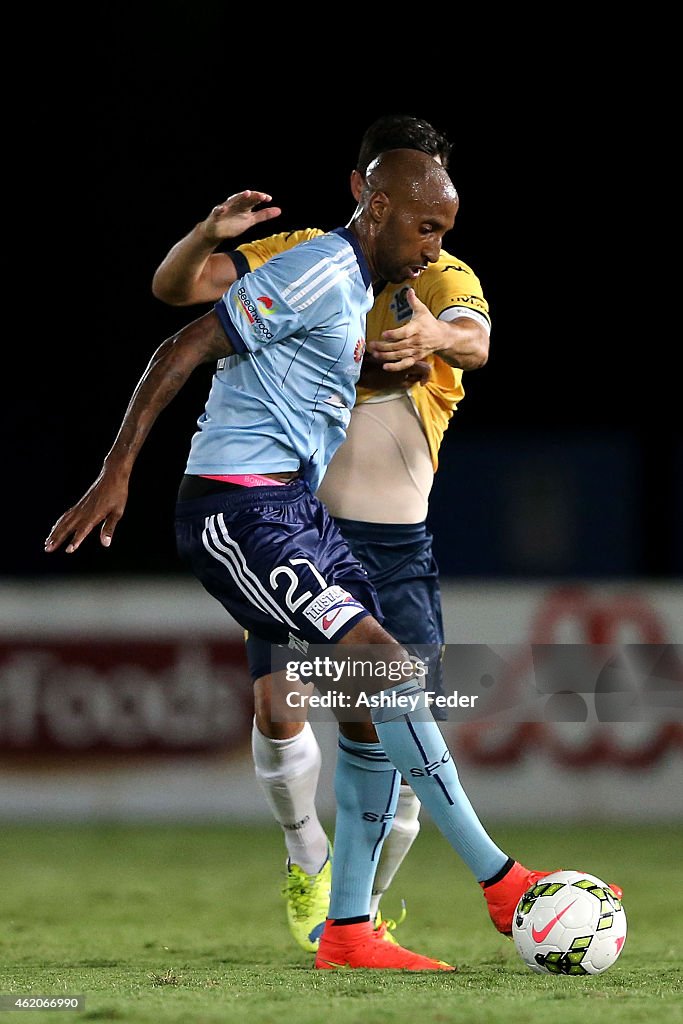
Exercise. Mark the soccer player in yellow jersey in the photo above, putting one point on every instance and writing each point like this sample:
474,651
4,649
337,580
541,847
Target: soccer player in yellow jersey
437,324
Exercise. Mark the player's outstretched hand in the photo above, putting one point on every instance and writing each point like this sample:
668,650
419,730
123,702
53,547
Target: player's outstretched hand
104,502
403,347
237,213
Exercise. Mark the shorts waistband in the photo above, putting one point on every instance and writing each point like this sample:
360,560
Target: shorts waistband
236,497
395,533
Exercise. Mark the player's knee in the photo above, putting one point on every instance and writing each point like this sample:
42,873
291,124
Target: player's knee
275,727
384,660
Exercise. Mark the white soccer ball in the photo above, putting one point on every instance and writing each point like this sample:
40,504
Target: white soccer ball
569,923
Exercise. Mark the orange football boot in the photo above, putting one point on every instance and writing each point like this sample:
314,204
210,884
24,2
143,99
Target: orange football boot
360,945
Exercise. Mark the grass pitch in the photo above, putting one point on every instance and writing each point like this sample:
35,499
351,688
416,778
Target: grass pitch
185,925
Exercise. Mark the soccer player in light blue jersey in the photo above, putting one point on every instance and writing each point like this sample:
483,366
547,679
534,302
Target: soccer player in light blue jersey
391,448
289,339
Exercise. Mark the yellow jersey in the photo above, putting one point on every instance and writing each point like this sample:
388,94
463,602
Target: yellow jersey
447,287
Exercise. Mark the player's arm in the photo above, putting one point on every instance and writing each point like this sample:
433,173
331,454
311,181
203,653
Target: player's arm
192,271
169,368
465,343
461,342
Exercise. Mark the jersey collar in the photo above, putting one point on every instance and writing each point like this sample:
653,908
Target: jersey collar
362,262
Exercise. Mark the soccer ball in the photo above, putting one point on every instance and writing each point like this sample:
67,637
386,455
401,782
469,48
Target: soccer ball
569,923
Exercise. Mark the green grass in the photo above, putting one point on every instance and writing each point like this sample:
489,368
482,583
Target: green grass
162,924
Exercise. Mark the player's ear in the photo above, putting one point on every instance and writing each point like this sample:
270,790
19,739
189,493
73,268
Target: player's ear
378,206
357,182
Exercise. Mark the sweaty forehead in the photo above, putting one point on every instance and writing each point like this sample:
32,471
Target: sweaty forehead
432,193
435,199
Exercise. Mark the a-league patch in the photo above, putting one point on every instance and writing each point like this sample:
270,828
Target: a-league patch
331,609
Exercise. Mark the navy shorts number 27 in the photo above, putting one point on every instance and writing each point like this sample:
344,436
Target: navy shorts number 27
277,562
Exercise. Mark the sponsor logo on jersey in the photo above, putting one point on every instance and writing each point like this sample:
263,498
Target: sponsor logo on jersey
359,350
400,305
469,300
265,305
248,309
452,266
331,609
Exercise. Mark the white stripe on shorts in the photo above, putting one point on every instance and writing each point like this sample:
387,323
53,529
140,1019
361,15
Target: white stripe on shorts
247,581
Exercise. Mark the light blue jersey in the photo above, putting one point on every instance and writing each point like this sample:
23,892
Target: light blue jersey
284,401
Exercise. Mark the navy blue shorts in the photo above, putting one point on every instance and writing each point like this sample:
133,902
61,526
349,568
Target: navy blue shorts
277,563
401,565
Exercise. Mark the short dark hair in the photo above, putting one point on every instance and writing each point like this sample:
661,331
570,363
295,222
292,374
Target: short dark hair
401,131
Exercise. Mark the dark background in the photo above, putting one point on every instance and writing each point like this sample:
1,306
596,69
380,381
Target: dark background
564,459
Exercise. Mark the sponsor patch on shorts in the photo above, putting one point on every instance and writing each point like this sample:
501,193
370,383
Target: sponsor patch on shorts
331,609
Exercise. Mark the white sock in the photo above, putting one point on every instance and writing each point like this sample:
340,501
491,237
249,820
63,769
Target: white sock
402,836
287,771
